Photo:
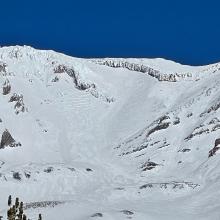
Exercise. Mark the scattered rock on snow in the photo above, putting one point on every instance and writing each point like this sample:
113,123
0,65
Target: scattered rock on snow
189,115
127,212
3,67
176,121
214,121
27,174
17,175
15,97
89,169
213,108
170,185
149,165
185,150
6,87
98,214
159,125
19,105
48,170
43,204
8,140
213,151
71,169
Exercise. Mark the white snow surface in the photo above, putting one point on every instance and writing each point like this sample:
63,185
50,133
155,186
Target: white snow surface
128,146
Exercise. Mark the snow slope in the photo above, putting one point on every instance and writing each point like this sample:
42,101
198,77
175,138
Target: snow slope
109,138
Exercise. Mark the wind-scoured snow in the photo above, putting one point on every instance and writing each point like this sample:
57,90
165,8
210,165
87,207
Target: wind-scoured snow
109,138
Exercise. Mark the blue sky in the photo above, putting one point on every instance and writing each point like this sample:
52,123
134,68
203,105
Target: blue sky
185,31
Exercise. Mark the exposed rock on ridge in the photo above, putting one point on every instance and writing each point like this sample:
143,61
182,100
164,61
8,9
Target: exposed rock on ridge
174,77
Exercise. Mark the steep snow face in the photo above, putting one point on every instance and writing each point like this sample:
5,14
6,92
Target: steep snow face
109,138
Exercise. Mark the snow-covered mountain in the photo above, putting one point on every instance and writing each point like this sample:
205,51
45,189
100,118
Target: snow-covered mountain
109,138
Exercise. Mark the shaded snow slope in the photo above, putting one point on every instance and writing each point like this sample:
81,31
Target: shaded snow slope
109,138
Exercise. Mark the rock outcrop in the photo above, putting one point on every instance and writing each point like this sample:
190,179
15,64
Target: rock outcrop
75,75
173,77
19,103
80,84
7,140
6,87
213,151
3,68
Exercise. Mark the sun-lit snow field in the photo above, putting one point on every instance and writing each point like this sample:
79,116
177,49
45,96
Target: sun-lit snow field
109,139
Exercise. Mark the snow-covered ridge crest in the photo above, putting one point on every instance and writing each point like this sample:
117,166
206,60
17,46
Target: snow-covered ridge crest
144,69
50,66
153,67
195,73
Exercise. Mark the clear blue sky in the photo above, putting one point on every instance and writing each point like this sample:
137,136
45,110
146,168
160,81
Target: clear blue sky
187,31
